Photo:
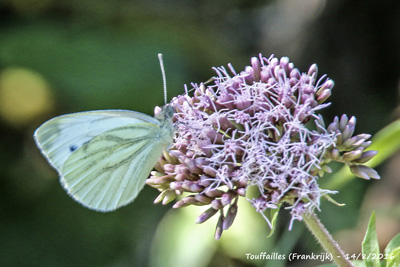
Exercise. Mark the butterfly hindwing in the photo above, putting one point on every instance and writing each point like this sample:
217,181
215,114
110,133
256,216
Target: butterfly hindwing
109,171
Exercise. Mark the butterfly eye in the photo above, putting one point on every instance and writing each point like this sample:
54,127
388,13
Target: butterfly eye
73,148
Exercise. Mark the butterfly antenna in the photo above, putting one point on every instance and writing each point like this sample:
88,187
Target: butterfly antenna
163,76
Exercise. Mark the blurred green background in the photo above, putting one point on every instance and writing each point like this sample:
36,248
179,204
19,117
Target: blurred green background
59,57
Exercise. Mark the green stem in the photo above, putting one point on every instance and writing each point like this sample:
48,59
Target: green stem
325,239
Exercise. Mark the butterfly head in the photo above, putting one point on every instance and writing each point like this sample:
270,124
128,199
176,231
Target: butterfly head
166,113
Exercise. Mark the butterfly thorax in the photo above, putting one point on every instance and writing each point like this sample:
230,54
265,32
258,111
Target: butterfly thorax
166,113
166,124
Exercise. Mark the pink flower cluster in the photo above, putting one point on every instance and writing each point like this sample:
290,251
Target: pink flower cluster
260,128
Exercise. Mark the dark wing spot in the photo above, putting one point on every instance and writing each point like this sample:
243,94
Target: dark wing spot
73,148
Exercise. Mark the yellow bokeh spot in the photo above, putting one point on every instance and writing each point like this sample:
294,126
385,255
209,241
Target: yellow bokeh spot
24,95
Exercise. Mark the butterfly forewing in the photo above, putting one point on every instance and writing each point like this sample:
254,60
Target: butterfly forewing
104,157
60,136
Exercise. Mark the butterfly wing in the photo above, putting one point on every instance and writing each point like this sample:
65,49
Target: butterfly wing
103,157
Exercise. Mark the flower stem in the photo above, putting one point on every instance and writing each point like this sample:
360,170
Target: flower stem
325,239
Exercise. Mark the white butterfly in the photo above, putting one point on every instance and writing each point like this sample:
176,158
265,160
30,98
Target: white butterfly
104,157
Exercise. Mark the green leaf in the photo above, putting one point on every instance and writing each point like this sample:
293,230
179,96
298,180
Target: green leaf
393,259
370,245
392,251
387,142
393,244
358,263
